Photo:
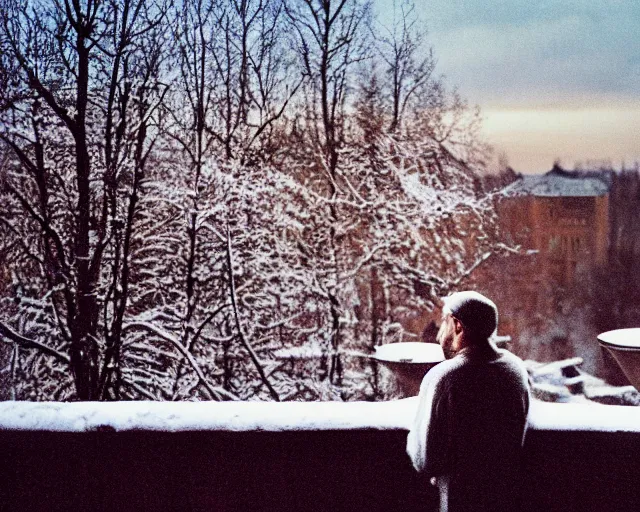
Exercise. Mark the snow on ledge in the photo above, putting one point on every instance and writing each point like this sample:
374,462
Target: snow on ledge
274,417
205,416
584,417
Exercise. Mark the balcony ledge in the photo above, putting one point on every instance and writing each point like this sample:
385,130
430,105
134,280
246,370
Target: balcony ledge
288,456
276,417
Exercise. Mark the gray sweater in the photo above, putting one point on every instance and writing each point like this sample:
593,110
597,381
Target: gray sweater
469,429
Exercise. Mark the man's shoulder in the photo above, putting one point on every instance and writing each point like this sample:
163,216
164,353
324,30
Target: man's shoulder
460,366
446,370
512,359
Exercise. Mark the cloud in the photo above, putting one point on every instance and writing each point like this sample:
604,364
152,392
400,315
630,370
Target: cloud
538,53
555,78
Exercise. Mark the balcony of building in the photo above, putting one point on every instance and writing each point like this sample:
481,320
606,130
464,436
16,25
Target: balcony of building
323,456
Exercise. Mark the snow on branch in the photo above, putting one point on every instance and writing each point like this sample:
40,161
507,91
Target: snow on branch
236,316
217,392
13,336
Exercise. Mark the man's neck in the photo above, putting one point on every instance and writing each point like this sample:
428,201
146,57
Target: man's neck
483,348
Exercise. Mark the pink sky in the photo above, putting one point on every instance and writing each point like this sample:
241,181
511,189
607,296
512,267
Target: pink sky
533,138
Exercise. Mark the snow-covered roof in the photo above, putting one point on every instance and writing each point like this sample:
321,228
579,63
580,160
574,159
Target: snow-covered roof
558,184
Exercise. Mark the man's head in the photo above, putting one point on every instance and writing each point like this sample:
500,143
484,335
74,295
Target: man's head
468,318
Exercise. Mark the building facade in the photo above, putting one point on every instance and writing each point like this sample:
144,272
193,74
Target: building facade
562,216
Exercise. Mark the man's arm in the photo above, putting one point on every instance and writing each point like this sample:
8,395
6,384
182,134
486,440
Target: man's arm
416,440
427,442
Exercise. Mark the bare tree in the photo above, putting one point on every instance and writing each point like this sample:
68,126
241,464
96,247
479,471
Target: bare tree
231,90
413,90
63,51
409,63
179,206
330,40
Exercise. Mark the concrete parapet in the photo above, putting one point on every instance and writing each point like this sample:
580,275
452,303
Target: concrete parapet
291,456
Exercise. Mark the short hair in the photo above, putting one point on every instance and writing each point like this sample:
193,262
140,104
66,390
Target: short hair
477,313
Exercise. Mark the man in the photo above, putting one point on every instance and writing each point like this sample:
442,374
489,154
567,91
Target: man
469,429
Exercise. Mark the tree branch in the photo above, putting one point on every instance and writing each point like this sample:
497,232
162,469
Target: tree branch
236,316
7,332
162,334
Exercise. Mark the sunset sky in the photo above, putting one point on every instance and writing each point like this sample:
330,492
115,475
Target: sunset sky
554,78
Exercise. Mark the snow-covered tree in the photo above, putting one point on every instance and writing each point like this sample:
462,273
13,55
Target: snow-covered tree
80,130
182,212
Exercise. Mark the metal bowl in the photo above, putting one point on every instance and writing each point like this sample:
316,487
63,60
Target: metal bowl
409,362
624,346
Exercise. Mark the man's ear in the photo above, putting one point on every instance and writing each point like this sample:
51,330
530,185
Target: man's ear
457,325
